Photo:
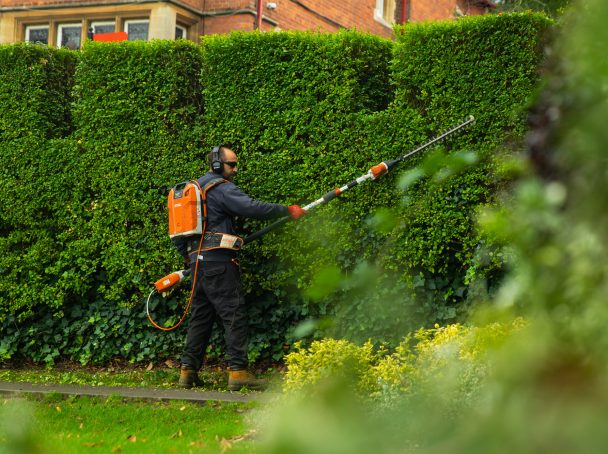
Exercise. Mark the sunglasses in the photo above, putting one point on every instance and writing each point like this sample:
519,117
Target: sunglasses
231,164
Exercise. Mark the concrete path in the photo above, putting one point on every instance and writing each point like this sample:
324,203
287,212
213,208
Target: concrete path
137,393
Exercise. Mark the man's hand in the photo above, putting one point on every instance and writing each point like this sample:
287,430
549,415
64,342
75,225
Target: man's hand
296,212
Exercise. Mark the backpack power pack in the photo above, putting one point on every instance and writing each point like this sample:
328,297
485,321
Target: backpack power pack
187,204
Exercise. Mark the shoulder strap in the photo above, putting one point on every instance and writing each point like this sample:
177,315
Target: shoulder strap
211,184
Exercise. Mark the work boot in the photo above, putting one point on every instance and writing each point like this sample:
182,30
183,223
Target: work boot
188,377
238,379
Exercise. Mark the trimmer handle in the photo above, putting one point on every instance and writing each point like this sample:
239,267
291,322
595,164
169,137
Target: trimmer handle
164,284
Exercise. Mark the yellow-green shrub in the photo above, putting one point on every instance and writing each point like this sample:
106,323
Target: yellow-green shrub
330,359
456,355
454,358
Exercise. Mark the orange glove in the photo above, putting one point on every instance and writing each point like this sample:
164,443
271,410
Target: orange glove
296,212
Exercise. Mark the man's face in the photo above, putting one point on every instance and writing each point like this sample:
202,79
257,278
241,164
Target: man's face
229,164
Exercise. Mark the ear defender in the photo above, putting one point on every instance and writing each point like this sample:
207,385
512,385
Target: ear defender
216,163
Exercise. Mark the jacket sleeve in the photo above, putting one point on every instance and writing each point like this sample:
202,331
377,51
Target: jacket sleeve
237,203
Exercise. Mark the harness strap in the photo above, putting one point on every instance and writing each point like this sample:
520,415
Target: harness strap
213,240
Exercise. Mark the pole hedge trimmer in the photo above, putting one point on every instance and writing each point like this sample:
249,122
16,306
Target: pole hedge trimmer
372,174
166,283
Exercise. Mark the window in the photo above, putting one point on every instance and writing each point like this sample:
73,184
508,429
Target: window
137,29
181,32
38,34
103,27
385,11
69,35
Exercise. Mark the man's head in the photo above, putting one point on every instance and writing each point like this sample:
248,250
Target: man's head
228,160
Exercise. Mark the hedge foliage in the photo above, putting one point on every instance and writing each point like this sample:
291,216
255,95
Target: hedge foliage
307,112
35,84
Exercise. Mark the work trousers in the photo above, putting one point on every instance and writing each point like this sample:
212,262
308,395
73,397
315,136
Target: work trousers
218,293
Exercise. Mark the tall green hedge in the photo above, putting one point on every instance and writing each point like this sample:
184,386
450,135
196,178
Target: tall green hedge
35,84
137,111
307,112
35,98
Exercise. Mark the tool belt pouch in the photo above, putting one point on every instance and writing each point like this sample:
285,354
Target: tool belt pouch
221,241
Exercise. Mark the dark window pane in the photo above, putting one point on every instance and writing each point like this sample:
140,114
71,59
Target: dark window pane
70,37
137,30
39,35
103,28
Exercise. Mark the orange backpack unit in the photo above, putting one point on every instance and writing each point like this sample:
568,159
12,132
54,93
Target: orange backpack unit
187,204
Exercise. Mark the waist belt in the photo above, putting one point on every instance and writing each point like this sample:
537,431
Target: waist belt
221,241
212,241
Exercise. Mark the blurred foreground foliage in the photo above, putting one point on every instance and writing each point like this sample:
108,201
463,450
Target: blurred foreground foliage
544,388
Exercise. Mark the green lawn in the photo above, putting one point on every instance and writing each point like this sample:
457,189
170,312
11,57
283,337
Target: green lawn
159,376
54,424
134,377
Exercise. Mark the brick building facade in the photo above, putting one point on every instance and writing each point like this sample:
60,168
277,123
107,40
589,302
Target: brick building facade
68,22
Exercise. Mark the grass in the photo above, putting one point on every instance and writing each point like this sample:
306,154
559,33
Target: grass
54,424
153,376
137,378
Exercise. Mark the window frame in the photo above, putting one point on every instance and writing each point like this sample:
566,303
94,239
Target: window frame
184,30
71,25
379,12
94,23
30,27
127,22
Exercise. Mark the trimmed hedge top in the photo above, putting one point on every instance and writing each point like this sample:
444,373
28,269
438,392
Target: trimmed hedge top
35,84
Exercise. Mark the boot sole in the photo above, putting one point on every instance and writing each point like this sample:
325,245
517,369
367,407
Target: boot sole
190,385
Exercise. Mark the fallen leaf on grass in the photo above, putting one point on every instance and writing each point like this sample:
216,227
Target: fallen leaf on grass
58,409
177,434
197,444
117,449
95,444
182,408
132,438
150,366
248,436
225,445
170,364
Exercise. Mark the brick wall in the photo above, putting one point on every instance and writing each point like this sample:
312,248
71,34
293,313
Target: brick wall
196,4
309,15
421,10
225,24
322,15
40,2
222,5
437,9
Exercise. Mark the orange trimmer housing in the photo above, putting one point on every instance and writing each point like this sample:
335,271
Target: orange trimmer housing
185,210
164,284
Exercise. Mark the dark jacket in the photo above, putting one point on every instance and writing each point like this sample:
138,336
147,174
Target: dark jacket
225,202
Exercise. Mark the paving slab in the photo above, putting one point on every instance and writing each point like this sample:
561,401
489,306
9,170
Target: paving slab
134,393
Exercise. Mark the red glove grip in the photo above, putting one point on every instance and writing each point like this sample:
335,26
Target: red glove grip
296,212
